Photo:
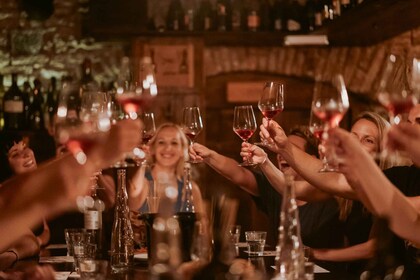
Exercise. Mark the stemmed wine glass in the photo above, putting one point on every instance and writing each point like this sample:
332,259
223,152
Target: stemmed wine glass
81,122
271,103
149,127
316,127
330,102
192,125
398,93
244,125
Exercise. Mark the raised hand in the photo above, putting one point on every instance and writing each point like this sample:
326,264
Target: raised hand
274,134
199,152
255,153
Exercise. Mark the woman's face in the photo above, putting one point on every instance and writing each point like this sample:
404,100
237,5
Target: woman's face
168,148
368,135
21,158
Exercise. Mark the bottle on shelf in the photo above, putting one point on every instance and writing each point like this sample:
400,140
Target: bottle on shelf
35,112
122,242
253,19
310,19
92,213
347,5
266,16
87,82
295,15
278,15
205,16
190,16
51,104
224,14
2,91
318,21
175,16
290,259
239,16
13,107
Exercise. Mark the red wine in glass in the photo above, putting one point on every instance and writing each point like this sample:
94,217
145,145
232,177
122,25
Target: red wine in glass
131,103
270,113
245,134
146,138
317,132
191,135
397,105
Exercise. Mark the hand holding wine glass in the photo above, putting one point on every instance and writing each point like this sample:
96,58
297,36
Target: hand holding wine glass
271,102
244,125
316,127
192,125
330,102
81,123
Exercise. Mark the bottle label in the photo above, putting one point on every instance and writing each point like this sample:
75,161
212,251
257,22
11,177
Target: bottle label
345,2
13,106
277,24
253,21
207,23
92,219
318,19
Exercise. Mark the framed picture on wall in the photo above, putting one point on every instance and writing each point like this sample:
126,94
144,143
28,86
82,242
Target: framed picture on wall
174,64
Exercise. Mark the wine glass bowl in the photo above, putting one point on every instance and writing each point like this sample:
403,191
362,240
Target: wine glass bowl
329,104
149,127
192,125
244,125
396,92
271,103
81,122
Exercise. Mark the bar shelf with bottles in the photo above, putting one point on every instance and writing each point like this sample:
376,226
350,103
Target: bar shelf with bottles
266,22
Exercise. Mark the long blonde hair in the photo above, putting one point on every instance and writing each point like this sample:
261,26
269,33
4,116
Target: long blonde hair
382,125
184,145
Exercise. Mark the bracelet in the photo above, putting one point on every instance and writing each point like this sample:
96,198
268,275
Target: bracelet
265,159
16,256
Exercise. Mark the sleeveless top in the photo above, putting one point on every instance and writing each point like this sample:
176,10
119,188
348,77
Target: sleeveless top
145,208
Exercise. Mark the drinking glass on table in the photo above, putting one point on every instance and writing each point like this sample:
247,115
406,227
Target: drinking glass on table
271,103
398,92
82,121
256,242
192,125
244,125
330,102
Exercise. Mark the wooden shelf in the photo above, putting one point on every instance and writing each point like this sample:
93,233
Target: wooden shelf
370,23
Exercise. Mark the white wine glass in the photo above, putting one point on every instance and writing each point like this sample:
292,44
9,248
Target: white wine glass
82,122
149,127
271,103
192,125
330,102
244,125
317,128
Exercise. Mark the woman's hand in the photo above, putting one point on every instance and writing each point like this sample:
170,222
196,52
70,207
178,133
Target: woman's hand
252,152
274,134
405,137
199,152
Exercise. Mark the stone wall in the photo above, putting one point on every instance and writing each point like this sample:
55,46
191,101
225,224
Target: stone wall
54,47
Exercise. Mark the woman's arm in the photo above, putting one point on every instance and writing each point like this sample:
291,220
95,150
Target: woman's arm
304,164
226,167
360,251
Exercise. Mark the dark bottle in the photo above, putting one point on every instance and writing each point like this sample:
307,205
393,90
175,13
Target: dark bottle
183,67
310,9
87,82
318,14
51,104
296,14
13,107
205,16
36,112
253,19
278,15
239,16
2,91
266,16
175,16
346,5
224,14
190,16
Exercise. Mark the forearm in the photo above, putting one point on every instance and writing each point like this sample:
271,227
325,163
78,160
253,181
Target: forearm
230,169
308,166
357,252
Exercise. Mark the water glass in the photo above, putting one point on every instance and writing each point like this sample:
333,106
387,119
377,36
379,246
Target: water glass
70,236
93,269
309,270
256,242
234,233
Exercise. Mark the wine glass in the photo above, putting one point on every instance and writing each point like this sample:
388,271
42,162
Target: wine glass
81,122
316,127
149,127
192,125
330,102
398,92
244,125
271,103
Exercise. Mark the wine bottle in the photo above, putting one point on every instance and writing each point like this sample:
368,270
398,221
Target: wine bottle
35,112
122,239
93,218
175,16
51,104
205,16
187,202
87,82
224,13
238,15
278,15
13,107
266,16
2,91
254,16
